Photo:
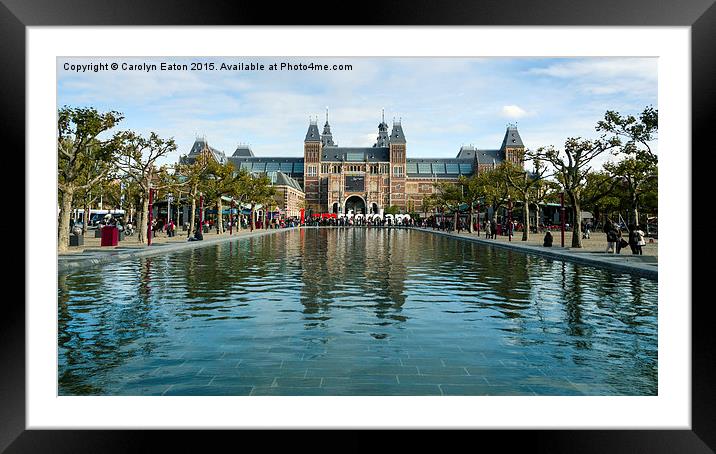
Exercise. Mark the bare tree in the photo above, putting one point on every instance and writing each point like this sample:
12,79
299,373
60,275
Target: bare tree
138,161
572,165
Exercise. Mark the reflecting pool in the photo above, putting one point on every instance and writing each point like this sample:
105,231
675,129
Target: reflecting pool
355,311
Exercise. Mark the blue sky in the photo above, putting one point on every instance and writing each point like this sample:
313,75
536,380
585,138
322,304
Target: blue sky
443,102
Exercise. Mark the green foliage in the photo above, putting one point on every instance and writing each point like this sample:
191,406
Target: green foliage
83,158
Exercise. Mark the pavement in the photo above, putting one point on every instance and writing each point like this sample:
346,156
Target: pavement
592,252
93,254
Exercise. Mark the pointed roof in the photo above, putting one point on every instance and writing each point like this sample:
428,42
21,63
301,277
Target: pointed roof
512,138
327,137
396,135
312,135
279,178
200,144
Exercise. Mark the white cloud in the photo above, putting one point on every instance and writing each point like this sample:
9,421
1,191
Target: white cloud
513,111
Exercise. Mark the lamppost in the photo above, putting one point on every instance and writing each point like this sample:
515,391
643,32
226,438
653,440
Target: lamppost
509,218
149,218
231,218
200,230
561,214
478,219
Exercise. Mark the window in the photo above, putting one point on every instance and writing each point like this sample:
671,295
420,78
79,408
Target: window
412,167
272,166
465,168
424,167
286,167
311,171
452,168
439,168
398,171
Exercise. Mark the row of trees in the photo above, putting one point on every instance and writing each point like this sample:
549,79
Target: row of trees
123,166
628,183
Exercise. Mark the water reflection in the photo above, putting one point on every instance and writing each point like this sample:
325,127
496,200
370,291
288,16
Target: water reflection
361,296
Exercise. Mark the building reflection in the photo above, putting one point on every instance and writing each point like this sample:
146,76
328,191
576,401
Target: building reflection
353,269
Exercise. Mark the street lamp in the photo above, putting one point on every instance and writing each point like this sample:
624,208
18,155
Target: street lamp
561,214
509,218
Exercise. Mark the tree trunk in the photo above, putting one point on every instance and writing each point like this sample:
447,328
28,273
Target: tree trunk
526,220
63,228
469,224
577,223
263,224
143,220
192,215
253,218
219,215
86,215
635,211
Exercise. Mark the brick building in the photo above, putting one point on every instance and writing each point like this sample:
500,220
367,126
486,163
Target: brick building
367,180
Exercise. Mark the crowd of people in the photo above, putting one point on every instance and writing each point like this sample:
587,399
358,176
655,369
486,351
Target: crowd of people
361,221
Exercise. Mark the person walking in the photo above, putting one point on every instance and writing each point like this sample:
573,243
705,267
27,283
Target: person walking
488,233
611,240
632,238
493,229
640,241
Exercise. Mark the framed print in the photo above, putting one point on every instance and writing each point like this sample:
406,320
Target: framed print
268,271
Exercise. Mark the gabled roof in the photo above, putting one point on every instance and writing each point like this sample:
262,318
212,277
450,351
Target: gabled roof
512,138
281,179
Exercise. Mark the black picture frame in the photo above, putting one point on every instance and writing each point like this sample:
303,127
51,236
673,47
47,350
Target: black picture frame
700,15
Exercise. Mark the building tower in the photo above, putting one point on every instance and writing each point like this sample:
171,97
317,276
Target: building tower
312,147
397,146
327,137
512,149
382,140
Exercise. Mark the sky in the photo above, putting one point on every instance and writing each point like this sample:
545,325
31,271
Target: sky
443,103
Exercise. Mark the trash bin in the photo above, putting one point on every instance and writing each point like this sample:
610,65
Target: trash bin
77,240
98,232
110,235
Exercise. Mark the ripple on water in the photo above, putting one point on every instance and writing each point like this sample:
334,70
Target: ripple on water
336,301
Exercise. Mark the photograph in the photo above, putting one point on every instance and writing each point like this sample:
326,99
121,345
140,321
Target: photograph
357,226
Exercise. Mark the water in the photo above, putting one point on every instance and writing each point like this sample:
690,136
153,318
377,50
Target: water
355,312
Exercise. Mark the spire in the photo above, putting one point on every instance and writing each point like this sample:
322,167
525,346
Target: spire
383,140
327,137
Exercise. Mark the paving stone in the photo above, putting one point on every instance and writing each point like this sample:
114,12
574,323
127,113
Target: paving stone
428,370
287,391
208,390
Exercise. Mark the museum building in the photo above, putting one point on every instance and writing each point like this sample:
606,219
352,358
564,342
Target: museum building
367,180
